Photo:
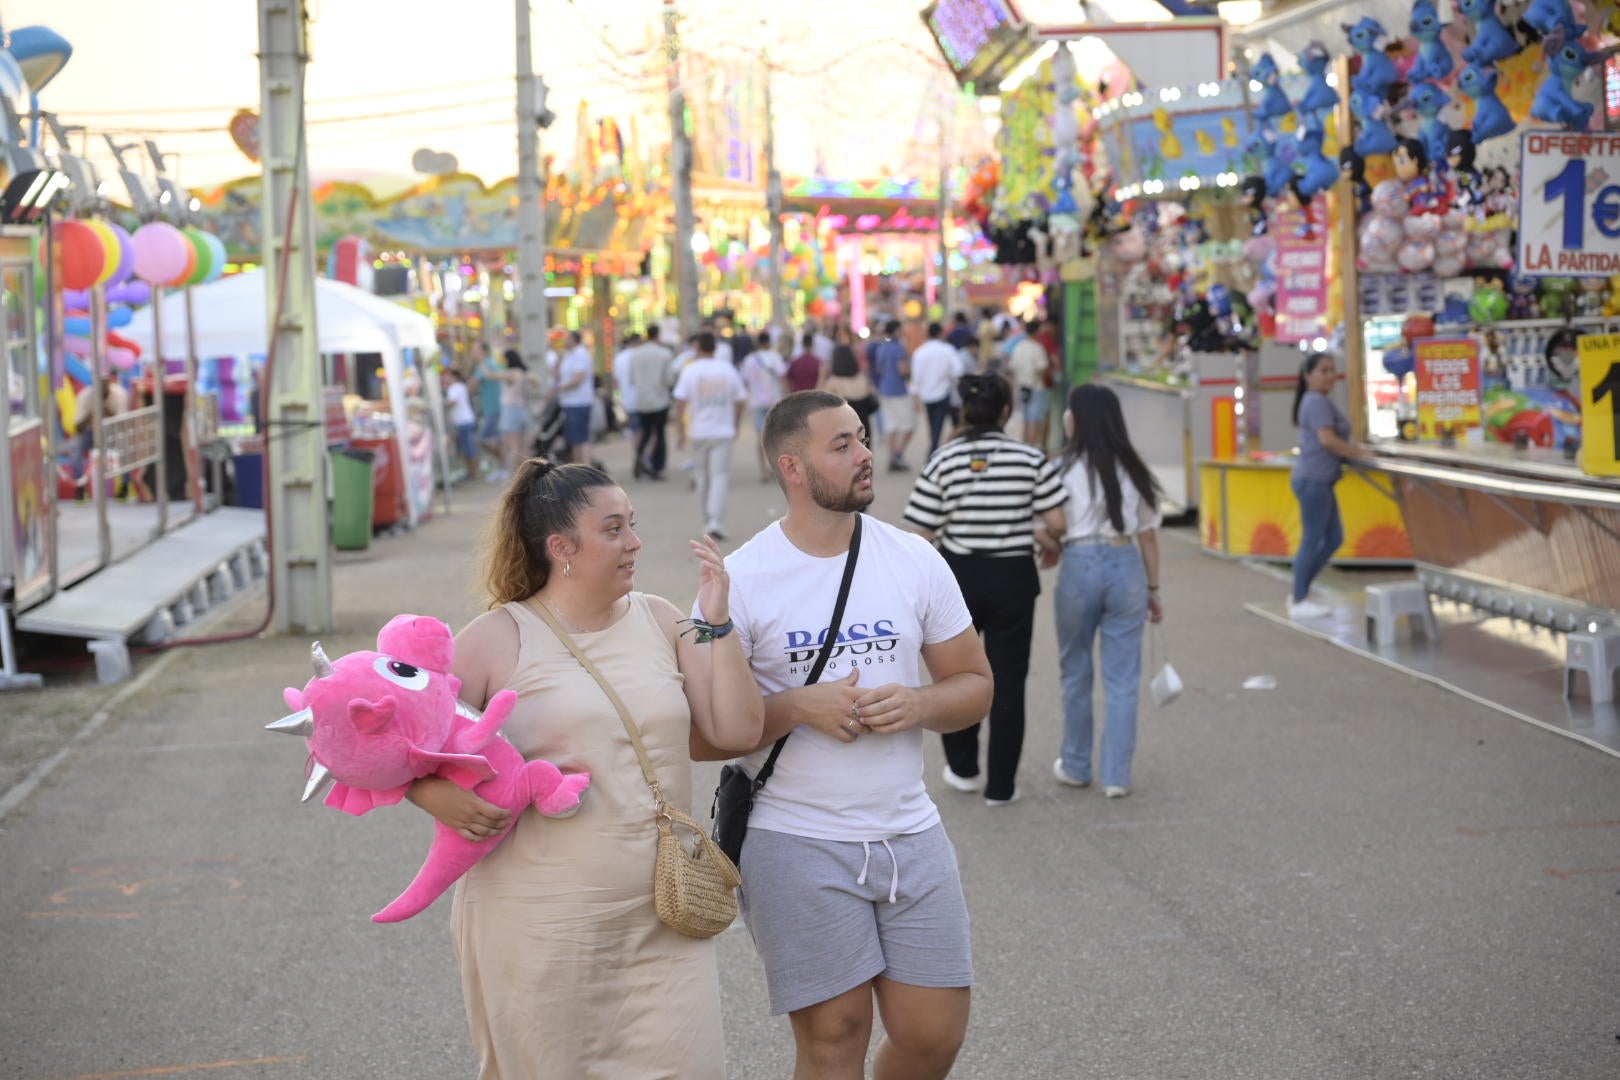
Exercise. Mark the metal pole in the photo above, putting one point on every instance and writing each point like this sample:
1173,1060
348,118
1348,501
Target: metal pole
97,476
773,206
188,415
533,314
295,444
160,488
680,143
947,116
1355,358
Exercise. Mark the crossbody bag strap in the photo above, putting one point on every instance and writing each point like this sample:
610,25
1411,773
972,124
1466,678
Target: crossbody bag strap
613,695
826,646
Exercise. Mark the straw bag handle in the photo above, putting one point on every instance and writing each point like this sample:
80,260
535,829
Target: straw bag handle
613,695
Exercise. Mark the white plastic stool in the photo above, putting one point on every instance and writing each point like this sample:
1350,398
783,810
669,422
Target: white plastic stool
1386,604
112,660
1599,656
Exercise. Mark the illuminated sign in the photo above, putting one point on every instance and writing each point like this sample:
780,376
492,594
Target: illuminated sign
976,37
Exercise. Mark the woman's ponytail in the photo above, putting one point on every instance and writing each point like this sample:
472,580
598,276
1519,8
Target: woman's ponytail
542,498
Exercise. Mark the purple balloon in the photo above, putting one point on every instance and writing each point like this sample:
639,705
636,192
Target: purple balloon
75,299
126,256
131,292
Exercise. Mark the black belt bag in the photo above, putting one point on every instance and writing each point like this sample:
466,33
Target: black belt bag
734,797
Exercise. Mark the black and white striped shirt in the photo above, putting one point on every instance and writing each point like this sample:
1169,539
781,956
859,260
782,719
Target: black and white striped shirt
979,495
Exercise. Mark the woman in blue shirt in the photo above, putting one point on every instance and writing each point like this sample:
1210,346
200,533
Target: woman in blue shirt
1323,449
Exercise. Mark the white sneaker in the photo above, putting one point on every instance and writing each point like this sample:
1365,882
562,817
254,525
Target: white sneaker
1016,795
1064,778
1114,792
1308,609
963,783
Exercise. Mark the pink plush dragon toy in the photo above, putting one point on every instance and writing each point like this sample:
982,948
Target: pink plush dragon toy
375,721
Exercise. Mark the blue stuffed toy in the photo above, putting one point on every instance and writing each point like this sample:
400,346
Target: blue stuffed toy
1320,172
1491,117
1545,16
1377,72
1273,104
1319,97
1427,99
1492,40
1434,59
1553,101
1373,135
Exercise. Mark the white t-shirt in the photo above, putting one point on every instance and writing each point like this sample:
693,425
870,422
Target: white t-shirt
933,370
903,597
1086,511
621,377
461,410
762,372
711,389
577,361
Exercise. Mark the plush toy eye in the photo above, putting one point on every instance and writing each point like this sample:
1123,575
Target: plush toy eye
401,673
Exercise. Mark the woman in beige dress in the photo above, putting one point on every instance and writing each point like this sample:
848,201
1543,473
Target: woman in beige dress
566,970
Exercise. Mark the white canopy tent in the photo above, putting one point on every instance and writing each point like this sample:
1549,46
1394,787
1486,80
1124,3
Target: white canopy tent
231,320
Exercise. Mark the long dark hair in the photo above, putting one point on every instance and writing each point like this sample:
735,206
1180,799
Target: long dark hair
1306,366
1101,440
542,499
985,396
844,362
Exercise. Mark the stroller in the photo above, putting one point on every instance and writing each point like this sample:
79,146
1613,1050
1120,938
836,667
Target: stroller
548,440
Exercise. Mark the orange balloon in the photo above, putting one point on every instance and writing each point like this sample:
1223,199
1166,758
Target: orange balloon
191,264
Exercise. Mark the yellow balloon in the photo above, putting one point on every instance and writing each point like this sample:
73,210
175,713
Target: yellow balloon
67,409
109,244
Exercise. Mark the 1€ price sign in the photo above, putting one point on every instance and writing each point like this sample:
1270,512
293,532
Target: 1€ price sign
1600,404
1569,204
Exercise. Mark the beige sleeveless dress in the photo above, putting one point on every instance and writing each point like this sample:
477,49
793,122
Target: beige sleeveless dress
566,970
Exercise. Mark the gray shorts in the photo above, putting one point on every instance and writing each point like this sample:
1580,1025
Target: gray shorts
829,915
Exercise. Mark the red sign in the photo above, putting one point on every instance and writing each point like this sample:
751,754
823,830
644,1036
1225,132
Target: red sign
336,421
1447,375
1301,276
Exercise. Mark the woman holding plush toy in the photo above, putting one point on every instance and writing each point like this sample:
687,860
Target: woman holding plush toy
565,967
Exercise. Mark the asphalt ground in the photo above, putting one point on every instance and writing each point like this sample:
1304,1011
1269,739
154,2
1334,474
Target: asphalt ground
1352,875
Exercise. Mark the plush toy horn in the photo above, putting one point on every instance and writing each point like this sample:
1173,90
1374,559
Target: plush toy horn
319,777
317,657
301,722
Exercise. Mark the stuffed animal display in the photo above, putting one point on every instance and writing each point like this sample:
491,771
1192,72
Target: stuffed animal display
376,721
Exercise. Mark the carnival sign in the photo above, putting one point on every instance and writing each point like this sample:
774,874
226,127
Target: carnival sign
1600,404
1569,204
1447,374
978,38
1302,276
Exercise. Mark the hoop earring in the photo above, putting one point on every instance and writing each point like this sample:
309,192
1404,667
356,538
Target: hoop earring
568,569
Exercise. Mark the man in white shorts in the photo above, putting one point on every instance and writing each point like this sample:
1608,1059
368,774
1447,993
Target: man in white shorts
891,370
850,885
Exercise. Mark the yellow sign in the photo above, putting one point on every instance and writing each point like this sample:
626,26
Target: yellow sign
1600,404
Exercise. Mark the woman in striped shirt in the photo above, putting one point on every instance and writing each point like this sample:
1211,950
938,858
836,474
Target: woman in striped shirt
977,498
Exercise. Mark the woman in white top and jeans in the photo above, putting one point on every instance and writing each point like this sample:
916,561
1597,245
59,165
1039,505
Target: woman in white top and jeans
1104,585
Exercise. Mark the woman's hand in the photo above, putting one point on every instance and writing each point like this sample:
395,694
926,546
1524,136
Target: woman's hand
1155,608
714,584
1049,558
457,808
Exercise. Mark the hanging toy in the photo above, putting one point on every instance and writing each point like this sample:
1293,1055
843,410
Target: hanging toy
1491,117
1319,172
1492,40
1459,159
1423,195
1434,59
1319,97
1273,104
1377,72
1373,135
1427,99
1546,16
1554,102
1381,233
1352,166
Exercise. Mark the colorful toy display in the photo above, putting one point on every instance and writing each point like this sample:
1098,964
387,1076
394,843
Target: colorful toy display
1377,72
1434,59
1492,41
1554,100
1491,117
376,721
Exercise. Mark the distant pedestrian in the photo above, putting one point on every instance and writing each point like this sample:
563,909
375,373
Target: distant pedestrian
977,498
487,377
961,335
1028,363
621,382
710,394
764,373
517,383
651,378
891,370
934,371
463,421
1324,447
846,378
1105,587
805,370
576,393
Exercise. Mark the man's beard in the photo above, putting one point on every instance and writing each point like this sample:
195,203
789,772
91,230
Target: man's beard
847,501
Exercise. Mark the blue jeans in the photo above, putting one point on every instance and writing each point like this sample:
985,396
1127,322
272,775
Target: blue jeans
1101,588
1321,531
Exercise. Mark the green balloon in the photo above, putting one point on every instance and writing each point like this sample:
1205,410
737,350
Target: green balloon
205,256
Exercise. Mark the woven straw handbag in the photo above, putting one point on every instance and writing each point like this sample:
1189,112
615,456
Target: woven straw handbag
694,884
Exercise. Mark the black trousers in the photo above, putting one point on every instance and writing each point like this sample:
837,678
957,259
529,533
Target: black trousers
938,412
650,447
1000,593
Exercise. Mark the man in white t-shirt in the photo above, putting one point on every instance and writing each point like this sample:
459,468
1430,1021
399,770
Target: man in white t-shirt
764,372
711,392
934,371
576,393
850,885
463,421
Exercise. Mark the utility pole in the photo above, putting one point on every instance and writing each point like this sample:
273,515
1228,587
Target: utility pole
295,444
532,116
773,206
947,120
680,153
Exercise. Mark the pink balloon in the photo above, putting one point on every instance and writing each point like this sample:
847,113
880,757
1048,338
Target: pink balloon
161,252
121,358
74,345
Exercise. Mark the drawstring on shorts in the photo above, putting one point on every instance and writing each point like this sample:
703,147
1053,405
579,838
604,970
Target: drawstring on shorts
894,877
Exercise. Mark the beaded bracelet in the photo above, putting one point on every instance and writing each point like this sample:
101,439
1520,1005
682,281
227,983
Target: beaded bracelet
706,632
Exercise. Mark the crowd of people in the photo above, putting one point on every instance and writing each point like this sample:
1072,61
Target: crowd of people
845,843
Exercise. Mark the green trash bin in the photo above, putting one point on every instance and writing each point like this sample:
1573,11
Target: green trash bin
351,499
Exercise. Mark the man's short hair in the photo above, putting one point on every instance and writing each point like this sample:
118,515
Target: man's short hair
705,342
892,327
934,329
652,331
789,419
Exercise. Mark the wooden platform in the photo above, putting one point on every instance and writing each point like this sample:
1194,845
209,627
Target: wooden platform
161,586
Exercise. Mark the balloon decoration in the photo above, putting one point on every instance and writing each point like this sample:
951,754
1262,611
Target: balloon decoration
162,254
81,255
203,262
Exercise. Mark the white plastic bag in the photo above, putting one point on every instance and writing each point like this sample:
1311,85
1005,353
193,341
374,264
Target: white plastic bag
1166,684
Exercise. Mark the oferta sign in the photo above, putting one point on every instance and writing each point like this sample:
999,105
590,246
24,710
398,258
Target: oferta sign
980,39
